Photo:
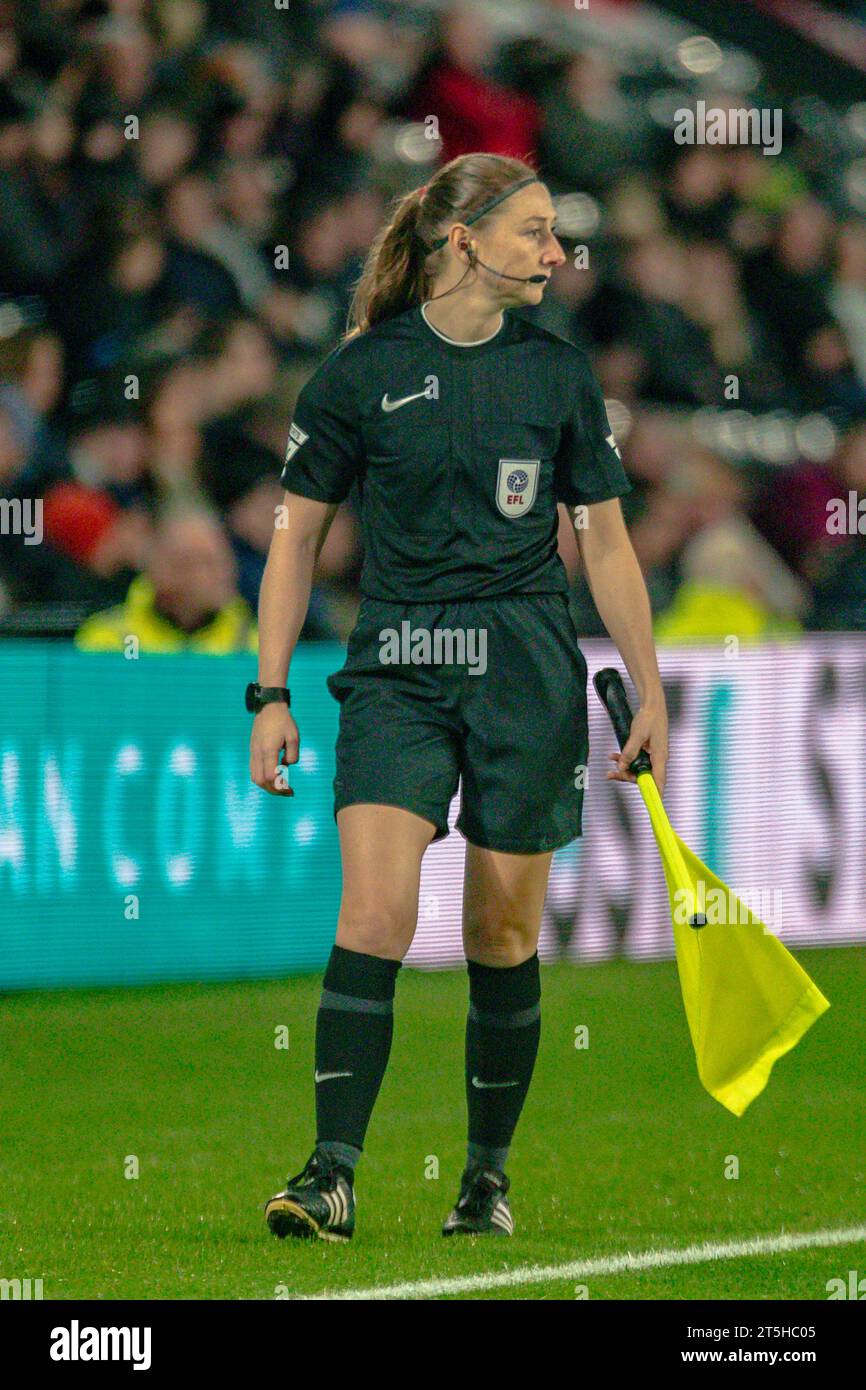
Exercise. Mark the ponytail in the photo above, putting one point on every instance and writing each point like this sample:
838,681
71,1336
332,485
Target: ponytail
393,278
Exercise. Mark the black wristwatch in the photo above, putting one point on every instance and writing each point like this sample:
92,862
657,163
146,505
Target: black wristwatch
260,695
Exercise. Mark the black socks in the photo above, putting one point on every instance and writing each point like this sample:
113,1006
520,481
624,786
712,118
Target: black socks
502,1033
354,1026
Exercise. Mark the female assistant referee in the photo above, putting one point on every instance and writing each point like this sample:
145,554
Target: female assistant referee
463,427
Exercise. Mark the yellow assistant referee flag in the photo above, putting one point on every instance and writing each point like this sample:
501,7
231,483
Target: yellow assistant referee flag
747,1000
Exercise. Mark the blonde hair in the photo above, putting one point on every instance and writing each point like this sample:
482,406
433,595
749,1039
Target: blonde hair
400,267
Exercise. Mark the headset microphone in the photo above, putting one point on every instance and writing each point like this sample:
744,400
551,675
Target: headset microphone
524,279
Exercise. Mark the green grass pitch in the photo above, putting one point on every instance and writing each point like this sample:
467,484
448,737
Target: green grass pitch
619,1148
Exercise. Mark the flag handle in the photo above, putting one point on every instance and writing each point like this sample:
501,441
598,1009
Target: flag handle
611,691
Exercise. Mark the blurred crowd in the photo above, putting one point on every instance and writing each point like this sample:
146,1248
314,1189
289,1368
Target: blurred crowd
187,191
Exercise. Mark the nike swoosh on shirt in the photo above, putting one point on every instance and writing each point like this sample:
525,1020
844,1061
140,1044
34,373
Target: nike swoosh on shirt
490,1085
395,405
329,1075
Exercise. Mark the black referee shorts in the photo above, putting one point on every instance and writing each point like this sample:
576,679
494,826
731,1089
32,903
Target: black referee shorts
490,693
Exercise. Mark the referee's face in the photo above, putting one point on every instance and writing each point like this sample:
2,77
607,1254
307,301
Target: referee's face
520,242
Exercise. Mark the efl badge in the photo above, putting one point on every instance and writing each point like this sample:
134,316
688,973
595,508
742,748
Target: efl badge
517,485
296,439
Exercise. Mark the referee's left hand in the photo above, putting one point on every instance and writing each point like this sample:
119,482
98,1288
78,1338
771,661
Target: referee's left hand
649,730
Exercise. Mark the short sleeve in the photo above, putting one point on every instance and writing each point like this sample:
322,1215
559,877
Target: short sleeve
323,453
588,464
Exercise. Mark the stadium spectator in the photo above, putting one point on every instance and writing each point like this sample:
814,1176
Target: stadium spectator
472,110
186,598
31,386
591,134
847,296
734,585
838,570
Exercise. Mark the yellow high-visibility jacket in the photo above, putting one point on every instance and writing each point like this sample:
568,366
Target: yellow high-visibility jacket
232,629
703,612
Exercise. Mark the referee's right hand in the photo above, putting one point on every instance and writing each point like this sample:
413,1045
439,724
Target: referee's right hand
274,733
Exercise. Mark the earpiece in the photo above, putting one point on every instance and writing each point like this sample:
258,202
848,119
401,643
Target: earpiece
475,260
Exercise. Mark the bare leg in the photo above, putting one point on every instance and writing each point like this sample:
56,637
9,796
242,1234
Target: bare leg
503,898
381,848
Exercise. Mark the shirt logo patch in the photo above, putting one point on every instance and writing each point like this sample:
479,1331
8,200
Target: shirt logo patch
517,485
389,405
297,437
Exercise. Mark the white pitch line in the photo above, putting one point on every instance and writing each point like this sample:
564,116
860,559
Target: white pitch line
612,1264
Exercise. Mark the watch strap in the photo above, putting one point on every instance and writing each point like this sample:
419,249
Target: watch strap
260,695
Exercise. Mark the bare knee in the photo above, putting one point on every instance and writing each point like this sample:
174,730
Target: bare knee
499,943
375,931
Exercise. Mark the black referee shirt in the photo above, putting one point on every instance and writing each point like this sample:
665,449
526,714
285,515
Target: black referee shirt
460,453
